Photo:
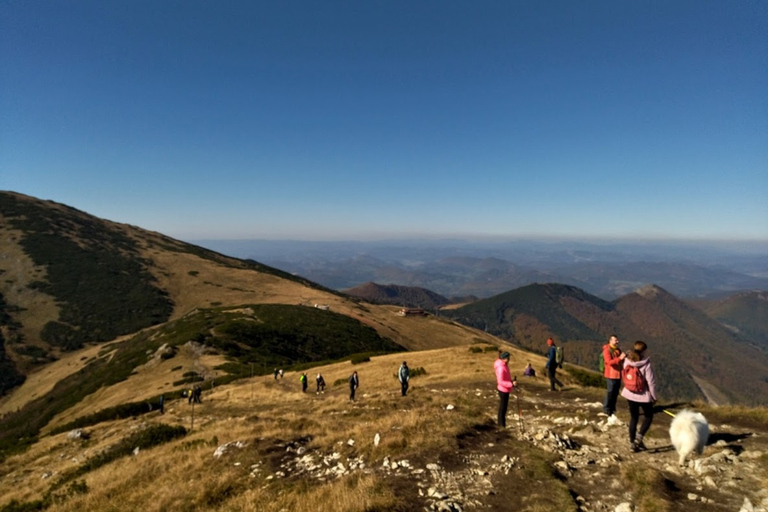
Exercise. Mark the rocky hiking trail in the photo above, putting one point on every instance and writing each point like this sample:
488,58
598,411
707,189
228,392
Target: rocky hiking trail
560,439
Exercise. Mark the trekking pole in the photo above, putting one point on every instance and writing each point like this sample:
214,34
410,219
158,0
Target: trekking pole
520,421
192,427
666,411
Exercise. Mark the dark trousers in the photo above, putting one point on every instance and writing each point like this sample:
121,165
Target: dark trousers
404,387
552,373
352,392
611,395
503,404
634,417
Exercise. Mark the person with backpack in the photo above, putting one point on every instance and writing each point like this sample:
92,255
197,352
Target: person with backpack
354,383
320,383
404,375
503,385
611,361
640,391
303,380
552,364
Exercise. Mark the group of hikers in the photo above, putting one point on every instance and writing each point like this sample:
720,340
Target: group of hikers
627,373
403,375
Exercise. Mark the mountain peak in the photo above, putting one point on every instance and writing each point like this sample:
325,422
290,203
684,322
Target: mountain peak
651,291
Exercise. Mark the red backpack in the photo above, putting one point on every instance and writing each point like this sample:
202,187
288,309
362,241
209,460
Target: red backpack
632,379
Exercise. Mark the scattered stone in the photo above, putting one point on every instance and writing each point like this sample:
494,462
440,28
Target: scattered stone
624,507
693,496
136,451
449,407
351,442
376,439
221,450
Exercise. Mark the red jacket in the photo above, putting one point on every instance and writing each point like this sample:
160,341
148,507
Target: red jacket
612,364
503,378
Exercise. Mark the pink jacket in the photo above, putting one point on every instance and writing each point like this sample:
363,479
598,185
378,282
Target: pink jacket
646,370
503,378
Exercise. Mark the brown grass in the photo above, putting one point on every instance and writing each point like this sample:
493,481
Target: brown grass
263,412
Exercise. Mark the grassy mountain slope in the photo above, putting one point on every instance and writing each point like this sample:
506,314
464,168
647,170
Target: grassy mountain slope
744,313
694,355
385,452
251,339
727,368
69,279
407,296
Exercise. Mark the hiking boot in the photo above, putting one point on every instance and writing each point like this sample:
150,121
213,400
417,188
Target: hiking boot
640,445
633,447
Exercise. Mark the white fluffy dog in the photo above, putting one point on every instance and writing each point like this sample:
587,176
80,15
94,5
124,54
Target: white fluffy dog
689,433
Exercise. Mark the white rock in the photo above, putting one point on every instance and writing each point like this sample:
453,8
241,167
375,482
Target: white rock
376,439
449,407
76,434
351,442
747,506
693,497
136,451
624,507
433,467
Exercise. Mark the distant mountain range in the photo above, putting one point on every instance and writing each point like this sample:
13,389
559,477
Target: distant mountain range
746,314
406,296
455,268
695,355
71,280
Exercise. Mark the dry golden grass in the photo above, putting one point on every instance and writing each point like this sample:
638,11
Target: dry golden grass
42,381
183,475
18,270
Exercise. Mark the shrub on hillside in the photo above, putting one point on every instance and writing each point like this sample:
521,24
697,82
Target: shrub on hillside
585,378
153,435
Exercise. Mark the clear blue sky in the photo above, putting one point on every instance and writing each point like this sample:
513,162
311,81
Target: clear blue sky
364,119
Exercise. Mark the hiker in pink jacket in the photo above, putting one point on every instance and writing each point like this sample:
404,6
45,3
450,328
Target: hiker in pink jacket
504,385
640,392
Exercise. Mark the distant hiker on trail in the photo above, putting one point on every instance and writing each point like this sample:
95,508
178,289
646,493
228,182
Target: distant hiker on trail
529,371
503,385
404,375
552,365
281,373
162,404
303,380
354,383
197,392
190,395
320,383
612,358
276,373
640,391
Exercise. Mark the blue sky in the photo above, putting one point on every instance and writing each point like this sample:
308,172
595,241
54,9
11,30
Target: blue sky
367,119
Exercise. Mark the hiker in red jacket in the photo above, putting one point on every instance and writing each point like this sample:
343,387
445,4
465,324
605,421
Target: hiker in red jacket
640,395
613,357
503,385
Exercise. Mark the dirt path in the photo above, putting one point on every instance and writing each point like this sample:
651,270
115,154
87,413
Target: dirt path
562,454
